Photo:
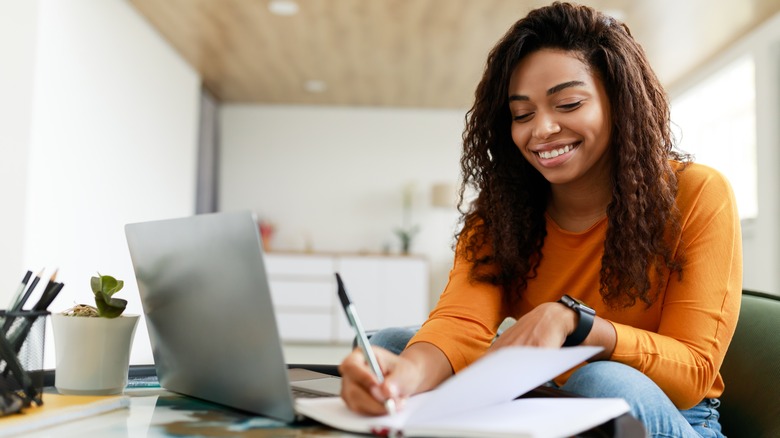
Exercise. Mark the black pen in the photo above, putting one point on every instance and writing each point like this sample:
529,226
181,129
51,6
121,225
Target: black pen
362,340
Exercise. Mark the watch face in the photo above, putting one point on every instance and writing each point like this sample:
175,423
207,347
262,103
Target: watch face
576,304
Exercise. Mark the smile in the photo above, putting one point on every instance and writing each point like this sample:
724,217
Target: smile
556,152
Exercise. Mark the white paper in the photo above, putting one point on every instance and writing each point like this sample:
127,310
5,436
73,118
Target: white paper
478,400
500,377
527,417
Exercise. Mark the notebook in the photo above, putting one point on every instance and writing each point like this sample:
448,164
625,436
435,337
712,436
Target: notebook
208,309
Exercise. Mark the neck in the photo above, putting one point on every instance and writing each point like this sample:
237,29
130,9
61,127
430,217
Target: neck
578,208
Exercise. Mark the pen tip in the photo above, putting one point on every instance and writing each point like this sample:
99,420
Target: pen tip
54,275
41,272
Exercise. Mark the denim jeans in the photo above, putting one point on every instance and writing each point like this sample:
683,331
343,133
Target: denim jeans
612,379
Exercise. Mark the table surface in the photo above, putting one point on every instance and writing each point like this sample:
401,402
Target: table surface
156,412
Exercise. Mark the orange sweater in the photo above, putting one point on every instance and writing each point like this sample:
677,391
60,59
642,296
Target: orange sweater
679,342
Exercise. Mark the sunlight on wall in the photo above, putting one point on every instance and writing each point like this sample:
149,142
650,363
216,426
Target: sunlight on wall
716,122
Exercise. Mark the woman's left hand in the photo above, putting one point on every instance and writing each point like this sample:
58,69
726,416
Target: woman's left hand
545,326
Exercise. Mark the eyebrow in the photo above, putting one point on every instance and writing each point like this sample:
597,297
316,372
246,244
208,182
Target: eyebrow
556,89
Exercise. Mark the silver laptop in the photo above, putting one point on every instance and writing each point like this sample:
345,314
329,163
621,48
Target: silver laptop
208,309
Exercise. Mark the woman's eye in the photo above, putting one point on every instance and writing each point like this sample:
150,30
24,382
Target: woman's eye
522,117
570,106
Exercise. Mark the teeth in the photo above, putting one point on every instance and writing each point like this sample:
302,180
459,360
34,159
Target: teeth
555,152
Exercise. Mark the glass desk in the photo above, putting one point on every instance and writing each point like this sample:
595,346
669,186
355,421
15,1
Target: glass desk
156,412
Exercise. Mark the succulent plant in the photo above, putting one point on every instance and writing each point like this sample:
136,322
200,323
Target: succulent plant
104,287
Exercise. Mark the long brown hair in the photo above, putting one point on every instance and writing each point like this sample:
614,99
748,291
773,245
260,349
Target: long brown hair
508,214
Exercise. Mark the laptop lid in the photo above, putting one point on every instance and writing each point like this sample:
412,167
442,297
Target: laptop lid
208,309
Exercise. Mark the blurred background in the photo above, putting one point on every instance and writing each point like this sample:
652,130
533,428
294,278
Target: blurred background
338,122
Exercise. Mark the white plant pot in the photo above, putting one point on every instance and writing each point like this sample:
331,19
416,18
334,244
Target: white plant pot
93,354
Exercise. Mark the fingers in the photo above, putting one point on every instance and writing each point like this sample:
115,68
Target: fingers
360,388
544,326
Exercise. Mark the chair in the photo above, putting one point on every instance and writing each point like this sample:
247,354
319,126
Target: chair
750,404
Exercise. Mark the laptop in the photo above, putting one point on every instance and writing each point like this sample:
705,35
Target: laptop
208,309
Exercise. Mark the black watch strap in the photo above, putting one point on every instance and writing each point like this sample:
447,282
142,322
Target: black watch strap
585,323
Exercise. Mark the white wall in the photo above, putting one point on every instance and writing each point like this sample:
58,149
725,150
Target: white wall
18,28
761,236
331,179
113,141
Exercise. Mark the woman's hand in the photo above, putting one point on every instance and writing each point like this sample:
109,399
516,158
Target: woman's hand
545,326
360,388
548,325
420,367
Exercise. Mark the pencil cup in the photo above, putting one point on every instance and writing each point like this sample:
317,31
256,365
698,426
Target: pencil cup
22,341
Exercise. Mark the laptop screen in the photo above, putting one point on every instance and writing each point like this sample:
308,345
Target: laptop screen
208,308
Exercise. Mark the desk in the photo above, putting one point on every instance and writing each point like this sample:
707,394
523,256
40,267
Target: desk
158,413
155,412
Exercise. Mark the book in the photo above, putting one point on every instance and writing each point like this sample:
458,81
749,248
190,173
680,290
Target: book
481,401
59,408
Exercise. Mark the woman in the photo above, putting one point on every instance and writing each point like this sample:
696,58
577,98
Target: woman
581,198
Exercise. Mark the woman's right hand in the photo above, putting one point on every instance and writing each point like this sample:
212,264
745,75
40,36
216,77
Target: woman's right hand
419,368
361,390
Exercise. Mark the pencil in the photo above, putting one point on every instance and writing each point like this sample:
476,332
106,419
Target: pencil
26,295
51,282
19,290
48,297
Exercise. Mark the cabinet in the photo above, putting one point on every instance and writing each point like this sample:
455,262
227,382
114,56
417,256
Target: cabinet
386,290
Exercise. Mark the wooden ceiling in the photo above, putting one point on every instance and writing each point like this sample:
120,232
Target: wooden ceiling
407,53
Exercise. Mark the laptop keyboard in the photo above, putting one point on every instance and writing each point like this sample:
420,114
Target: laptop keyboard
302,393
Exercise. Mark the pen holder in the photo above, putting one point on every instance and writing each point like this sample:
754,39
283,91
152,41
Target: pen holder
21,357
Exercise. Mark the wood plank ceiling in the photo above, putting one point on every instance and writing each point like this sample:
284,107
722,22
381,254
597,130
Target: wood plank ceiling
407,53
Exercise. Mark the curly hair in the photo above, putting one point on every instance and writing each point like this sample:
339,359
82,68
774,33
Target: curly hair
504,228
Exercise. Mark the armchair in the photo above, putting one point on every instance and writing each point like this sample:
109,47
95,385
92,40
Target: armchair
750,404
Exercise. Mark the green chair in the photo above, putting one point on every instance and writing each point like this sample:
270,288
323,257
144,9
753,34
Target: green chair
750,404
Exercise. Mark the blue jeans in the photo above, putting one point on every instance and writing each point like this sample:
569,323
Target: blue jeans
612,379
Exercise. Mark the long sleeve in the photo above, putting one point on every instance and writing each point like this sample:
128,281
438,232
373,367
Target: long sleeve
699,311
465,319
679,341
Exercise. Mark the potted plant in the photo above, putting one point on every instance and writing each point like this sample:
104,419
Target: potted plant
92,343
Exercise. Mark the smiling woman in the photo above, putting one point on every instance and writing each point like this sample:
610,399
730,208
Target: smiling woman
561,123
589,228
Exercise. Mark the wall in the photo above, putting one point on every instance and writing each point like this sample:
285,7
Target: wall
761,236
331,179
113,141
18,28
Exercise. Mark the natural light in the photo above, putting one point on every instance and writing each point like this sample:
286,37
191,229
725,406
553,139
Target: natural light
716,122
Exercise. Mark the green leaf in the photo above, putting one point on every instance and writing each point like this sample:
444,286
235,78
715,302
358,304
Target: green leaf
112,286
104,286
107,284
110,307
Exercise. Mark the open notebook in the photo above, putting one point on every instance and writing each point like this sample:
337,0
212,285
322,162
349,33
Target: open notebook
480,401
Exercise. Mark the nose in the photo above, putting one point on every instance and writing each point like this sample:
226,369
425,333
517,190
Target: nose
545,126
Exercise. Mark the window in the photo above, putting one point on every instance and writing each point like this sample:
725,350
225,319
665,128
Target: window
715,120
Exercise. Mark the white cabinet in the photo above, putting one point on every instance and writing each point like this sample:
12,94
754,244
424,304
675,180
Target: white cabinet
387,291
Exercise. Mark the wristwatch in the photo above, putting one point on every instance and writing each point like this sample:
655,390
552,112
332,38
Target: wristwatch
585,322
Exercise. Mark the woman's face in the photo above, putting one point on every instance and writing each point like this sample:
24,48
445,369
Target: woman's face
560,117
